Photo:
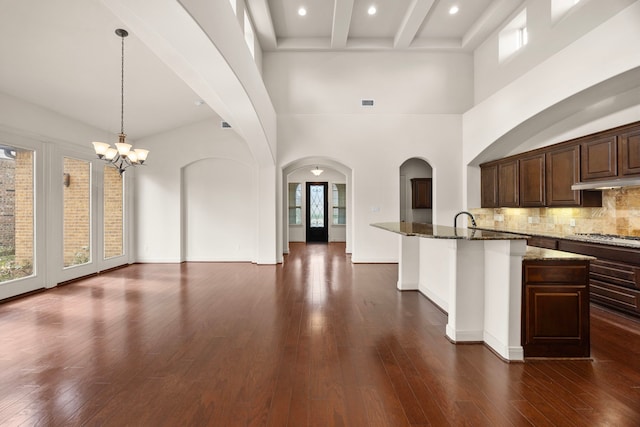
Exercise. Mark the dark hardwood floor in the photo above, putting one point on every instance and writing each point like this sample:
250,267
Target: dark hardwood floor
316,341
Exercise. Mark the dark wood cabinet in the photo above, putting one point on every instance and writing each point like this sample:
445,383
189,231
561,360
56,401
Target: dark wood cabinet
629,152
532,180
542,242
489,186
599,158
615,274
555,308
421,193
508,184
563,170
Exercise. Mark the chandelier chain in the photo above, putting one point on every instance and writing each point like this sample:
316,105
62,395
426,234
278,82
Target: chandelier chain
122,88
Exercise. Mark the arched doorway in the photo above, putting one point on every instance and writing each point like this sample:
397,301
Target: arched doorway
416,201
336,180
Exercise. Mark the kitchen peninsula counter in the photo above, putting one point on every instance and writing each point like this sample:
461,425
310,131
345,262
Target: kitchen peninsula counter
474,275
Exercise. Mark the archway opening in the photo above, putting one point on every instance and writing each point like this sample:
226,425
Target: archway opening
416,190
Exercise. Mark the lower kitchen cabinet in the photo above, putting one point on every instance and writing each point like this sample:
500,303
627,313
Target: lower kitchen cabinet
555,308
614,277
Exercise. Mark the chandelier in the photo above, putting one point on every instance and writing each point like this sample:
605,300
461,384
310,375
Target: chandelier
123,155
317,171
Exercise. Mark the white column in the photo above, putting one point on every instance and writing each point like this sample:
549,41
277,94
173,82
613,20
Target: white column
408,264
503,297
466,291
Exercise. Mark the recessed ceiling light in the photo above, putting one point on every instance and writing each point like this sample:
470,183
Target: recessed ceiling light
302,11
453,10
372,10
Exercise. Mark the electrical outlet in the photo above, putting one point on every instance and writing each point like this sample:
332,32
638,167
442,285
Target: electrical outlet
572,222
530,220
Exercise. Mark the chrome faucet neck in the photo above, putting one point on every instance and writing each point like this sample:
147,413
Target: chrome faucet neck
455,219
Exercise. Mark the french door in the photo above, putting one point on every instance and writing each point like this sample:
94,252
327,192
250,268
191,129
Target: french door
317,212
92,215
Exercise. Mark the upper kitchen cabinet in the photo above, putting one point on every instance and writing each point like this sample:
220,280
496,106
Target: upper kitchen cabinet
508,184
629,152
599,158
489,186
563,170
532,180
421,193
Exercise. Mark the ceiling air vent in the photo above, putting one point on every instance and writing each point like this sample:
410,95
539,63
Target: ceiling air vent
225,125
367,102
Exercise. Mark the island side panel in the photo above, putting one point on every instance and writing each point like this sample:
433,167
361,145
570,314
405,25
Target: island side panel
466,291
503,297
435,275
408,263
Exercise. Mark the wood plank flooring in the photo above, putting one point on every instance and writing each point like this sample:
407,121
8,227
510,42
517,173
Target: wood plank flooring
317,341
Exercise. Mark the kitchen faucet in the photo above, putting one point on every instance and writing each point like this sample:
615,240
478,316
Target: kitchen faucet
455,219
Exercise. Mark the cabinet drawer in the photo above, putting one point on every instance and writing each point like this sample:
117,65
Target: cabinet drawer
615,296
542,242
555,272
616,273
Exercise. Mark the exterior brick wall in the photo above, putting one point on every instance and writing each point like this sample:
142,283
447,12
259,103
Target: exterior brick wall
24,207
77,211
113,221
7,204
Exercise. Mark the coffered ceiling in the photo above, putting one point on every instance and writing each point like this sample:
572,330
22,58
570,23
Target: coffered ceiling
396,24
63,55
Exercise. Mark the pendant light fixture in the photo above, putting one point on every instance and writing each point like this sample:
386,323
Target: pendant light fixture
317,171
122,156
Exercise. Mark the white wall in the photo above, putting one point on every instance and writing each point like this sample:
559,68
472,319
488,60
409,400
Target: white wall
413,168
162,193
418,102
590,85
546,38
219,210
297,233
317,97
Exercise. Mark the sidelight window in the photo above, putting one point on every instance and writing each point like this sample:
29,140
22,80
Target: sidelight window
339,200
295,203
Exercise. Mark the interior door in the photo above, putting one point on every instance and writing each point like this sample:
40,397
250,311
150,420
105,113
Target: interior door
317,212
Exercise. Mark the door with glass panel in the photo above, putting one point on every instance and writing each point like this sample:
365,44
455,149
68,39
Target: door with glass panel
17,221
317,212
92,217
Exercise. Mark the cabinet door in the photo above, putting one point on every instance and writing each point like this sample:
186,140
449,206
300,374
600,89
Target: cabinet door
489,186
532,177
599,158
421,193
629,152
508,184
563,170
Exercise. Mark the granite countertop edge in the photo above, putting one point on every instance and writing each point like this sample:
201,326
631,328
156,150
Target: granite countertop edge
632,244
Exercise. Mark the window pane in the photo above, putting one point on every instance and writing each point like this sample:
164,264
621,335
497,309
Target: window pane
77,212
113,213
295,203
339,204
16,213
316,206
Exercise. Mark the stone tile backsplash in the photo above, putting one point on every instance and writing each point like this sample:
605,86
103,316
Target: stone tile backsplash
619,214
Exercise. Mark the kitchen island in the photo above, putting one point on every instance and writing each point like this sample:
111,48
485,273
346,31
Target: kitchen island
473,275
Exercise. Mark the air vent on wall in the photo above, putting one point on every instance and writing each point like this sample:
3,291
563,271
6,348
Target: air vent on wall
225,125
367,102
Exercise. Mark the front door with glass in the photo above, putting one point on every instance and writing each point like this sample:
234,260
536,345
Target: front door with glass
317,212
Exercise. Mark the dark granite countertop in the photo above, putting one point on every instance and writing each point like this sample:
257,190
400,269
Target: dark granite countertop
625,243
540,254
431,231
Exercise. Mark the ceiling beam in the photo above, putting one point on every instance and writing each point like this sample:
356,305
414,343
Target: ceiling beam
492,17
342,11
416,13
261,18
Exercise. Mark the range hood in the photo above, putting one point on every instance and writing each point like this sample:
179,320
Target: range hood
606,184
